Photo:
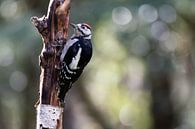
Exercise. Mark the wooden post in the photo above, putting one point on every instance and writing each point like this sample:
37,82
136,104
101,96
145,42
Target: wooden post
54,30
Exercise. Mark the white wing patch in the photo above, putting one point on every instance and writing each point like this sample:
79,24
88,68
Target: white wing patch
66,47
75,60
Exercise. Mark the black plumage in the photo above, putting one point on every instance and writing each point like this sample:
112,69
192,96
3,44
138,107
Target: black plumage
81,52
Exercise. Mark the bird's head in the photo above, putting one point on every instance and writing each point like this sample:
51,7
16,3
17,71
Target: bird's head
82,29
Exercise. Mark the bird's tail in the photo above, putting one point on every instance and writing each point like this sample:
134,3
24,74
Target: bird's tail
63,90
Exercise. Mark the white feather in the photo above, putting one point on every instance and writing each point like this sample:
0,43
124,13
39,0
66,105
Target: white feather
88,37
75,60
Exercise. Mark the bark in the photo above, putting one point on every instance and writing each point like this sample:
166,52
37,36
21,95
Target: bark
53,29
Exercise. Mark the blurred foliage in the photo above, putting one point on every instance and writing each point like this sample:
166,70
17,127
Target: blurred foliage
141,75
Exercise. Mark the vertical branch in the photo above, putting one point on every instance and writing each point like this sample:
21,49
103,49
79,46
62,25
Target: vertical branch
54,31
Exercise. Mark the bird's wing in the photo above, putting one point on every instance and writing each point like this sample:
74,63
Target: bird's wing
67,46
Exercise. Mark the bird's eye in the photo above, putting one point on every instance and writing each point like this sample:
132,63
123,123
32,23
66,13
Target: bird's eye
83,27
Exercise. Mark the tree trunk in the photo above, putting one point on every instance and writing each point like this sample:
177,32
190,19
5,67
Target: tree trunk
53,29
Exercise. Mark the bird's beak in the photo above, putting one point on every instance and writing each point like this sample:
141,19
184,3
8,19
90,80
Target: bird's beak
73,25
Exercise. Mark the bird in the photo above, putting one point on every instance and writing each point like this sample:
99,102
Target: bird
76,54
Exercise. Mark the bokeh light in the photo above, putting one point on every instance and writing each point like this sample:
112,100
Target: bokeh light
136,73
159,31
167,13
140,46
8,9
6,55
18,81
171,43
121,15
125,116
148,13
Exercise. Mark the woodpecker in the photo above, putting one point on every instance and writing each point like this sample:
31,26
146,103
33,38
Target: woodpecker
75,55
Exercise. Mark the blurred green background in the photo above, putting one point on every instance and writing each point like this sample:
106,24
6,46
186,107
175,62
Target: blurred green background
141,75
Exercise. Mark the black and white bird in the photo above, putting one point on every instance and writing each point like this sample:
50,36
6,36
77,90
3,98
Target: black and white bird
76,54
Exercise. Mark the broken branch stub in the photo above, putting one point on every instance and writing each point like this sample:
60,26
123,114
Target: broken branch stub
54,31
